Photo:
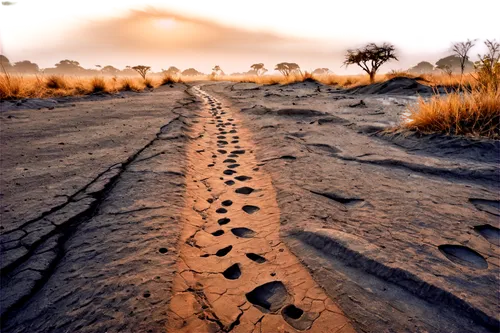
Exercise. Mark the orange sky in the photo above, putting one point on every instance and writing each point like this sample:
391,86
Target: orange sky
235,34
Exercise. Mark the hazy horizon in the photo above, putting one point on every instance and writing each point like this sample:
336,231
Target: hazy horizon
202,34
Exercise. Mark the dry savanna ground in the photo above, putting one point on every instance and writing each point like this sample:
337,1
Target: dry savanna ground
470,106
194,207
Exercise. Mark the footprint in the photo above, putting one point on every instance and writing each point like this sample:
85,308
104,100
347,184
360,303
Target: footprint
255,257
269,297
229,160
238,152
232,166
463,255
226,203
243,232
234,141
249,209
242,178
236,137
232,155
224,220
233,131
163,250
489,232
229,182
218,233
228,172
224,251
297,318
222,142
221,210
233,272
244,190
221,137
222,151
489,206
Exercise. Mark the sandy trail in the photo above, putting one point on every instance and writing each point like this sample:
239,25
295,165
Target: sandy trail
234,273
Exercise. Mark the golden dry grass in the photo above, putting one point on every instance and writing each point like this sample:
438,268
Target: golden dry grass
475,113
39,86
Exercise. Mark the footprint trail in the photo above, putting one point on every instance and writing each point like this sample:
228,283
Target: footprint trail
234,274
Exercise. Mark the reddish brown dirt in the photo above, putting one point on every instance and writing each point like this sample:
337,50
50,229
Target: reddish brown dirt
234,273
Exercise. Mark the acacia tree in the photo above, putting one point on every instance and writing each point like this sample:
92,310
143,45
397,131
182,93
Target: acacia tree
287,68
461,50
142,70
258,68
172,70
371,57
217,70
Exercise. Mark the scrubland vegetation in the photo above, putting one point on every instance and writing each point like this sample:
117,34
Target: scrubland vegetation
471,106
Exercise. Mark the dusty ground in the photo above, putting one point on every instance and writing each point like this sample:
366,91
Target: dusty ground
242,208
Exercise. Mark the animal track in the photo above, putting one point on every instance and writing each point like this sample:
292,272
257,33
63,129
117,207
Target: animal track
489,206
244,190
226,203
229,172
269,297
221,211
242,178
250,209
222,252
255,257
223,221
233,272
243,232
218,233
351,202
489,232
464,256
229,182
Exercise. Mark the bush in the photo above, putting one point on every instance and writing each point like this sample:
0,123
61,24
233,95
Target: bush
56,82
97,84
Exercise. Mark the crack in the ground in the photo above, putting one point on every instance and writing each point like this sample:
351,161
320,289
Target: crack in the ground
67,228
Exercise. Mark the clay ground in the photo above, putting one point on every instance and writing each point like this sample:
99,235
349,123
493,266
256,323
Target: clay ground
222,207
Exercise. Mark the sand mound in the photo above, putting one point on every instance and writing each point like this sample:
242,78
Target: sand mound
307,83
397,85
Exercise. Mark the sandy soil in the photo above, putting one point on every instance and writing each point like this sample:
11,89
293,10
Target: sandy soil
242,208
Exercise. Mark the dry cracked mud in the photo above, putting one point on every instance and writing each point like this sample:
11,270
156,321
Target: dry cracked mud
234,273
222,207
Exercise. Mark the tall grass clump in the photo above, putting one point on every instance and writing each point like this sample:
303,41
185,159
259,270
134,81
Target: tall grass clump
127,84
170,79
473,110
56,82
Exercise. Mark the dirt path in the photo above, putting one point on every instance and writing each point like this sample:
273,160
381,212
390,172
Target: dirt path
234,273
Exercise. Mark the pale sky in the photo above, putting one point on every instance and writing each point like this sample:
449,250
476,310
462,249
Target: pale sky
234,34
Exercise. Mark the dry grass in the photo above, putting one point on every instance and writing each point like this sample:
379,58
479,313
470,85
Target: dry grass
170,79
475,113
39,86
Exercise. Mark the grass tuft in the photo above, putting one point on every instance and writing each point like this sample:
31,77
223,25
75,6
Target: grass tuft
475,113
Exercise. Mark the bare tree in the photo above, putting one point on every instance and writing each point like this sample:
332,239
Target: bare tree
448,70
488,66
371,57
461,50
142,70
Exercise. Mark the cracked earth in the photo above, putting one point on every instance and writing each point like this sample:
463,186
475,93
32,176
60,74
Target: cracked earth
222,207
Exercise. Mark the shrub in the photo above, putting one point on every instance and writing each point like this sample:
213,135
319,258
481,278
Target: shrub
97,84
56,82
